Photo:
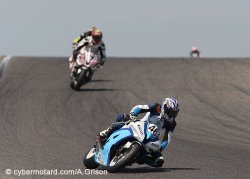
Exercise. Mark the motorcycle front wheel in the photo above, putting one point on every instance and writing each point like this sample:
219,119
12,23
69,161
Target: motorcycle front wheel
121,160
89,159
81,79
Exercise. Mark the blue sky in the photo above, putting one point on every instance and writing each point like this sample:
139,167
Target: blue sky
132,28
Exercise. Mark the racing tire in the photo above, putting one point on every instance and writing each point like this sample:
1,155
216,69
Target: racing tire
72,85
80,80
89,159
129,157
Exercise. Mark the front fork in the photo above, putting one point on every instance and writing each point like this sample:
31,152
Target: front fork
89,75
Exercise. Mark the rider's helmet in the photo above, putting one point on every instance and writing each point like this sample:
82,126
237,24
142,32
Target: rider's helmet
96,35
194,49
170,108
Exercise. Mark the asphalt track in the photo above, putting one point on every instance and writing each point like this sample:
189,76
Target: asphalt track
46,125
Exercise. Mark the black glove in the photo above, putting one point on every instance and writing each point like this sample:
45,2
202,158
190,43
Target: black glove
133,117
126,117
86,44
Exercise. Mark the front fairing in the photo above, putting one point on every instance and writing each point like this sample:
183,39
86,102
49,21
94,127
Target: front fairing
89,57
139,128
134,131
103,155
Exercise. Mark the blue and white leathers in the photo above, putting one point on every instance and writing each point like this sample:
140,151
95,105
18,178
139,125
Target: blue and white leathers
147,135
153,119
154,116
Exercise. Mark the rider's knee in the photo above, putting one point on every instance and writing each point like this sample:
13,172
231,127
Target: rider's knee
159,162
122,118
118,125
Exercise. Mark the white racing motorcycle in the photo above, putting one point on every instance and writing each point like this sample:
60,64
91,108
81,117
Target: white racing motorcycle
86,63
124,147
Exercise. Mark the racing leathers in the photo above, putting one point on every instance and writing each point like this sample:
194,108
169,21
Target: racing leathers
153,116
88,41
85,40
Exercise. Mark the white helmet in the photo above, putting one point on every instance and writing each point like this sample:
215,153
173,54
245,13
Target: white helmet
169,108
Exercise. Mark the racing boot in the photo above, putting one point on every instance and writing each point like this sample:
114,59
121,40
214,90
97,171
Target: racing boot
104,135
151,161
73,73
158,162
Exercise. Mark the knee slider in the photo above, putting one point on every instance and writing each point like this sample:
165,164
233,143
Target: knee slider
159,162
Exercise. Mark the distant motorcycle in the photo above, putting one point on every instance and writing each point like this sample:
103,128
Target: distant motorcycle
124,147
195,52
86,63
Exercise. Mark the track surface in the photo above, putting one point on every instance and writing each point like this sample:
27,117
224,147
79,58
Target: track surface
46,125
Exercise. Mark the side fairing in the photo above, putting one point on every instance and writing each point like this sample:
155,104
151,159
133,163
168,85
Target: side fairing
103,156
139,129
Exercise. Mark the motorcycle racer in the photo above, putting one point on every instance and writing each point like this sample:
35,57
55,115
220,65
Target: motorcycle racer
195,51
163,116
93,37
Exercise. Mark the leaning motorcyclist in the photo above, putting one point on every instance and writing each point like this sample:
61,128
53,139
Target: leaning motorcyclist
92,37
163,116
195,51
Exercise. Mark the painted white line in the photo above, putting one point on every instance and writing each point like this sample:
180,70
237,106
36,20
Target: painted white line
4,63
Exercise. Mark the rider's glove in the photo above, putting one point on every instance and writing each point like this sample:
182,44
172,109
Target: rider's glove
132,116
86,44
126,118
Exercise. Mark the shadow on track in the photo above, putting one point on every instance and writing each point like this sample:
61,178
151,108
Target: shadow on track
98,89
152,170
101,80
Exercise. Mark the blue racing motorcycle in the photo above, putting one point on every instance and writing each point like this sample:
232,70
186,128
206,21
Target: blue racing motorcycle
124,147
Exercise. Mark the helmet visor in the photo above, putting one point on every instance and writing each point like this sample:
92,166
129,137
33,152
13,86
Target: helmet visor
97,38
170,112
